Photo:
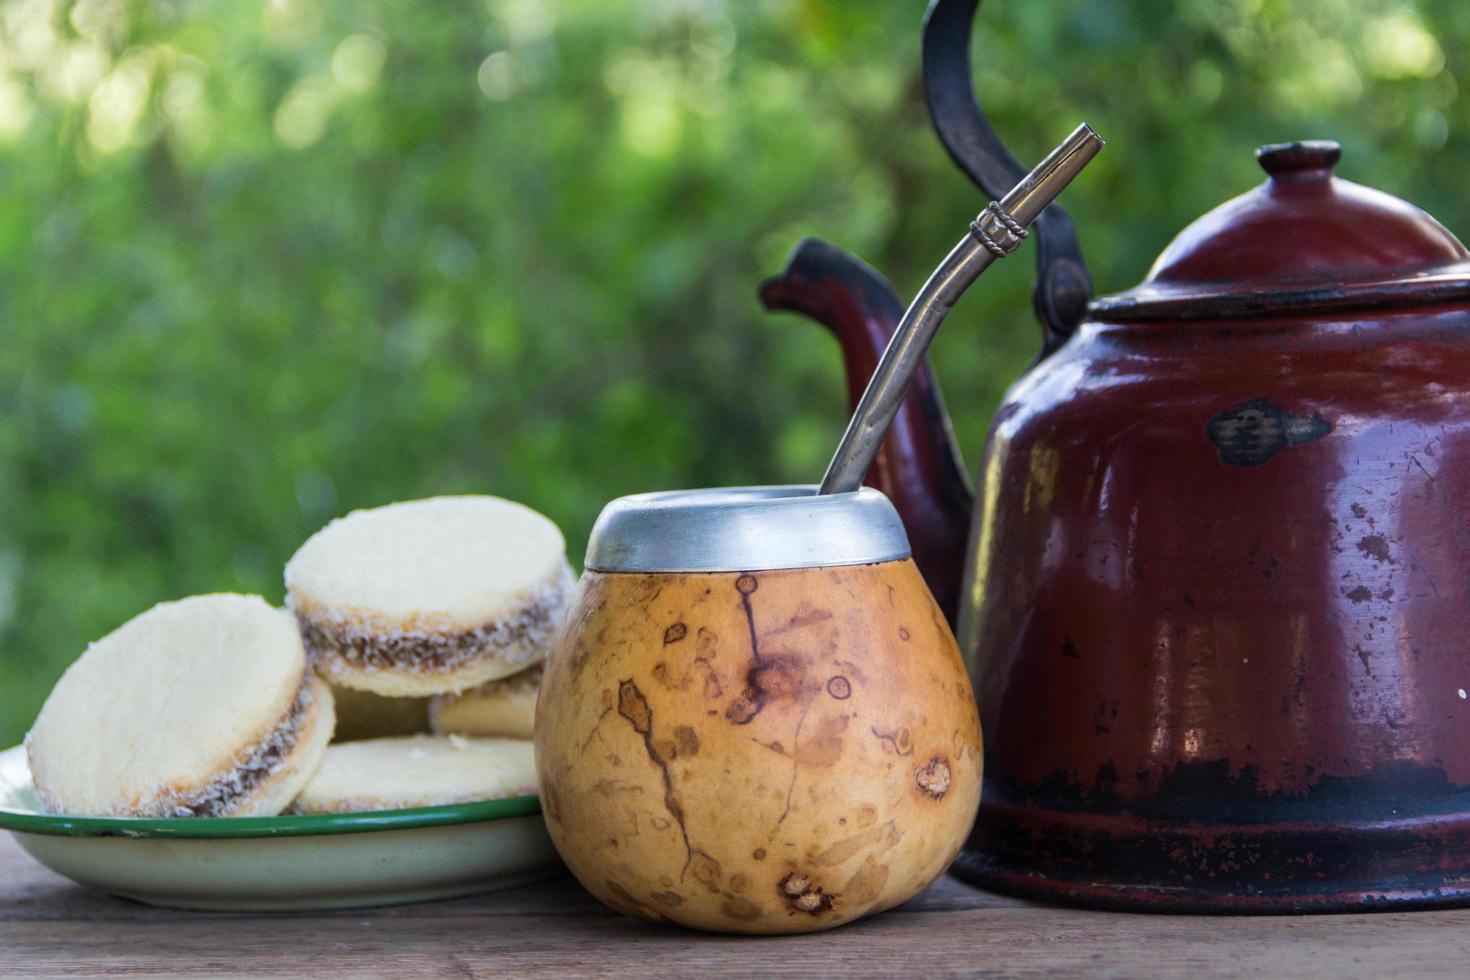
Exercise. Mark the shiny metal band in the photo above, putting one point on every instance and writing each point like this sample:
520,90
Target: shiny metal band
997,230
737,529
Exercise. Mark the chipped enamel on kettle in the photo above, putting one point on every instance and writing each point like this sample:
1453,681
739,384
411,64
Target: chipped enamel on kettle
1212,590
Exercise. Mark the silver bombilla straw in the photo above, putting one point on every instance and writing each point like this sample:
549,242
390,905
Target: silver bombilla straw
995,233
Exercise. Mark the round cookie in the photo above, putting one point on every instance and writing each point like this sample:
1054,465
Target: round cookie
506,708
362,714
200,707
418,770
429,596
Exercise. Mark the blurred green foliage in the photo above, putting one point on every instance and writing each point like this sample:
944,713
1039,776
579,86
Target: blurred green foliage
263,263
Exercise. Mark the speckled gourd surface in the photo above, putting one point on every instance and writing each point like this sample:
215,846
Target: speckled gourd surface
774,751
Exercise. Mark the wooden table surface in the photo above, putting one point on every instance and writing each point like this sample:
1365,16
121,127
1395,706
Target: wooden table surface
50,927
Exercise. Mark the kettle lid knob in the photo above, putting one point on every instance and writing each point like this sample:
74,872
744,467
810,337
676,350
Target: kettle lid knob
1303,159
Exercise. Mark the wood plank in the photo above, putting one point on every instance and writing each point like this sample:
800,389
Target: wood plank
49,927
1013,942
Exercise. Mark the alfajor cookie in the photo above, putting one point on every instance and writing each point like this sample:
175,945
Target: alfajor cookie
363,714
419,770
506,707
429,596
200,707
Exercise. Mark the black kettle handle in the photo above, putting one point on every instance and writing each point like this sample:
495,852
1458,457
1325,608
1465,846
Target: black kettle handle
1063,284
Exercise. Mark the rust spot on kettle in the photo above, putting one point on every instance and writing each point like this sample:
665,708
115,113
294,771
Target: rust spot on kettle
1375,546
1252,432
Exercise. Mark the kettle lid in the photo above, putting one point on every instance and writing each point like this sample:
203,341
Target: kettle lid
1304,240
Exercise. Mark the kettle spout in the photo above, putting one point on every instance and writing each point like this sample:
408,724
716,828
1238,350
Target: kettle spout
919,466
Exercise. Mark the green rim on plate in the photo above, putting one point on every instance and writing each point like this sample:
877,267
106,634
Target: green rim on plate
20,810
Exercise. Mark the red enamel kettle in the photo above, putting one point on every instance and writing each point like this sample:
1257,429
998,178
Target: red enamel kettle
1215,587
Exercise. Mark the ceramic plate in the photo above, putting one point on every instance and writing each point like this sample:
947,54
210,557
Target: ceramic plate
272,863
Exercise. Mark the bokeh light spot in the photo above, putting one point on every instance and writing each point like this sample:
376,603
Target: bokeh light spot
302,117
1398,46
358,62
15,110
498,78
117,103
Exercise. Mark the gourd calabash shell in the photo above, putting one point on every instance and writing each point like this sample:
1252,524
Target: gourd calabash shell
765,752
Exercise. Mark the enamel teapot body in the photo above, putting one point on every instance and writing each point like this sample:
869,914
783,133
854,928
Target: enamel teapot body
1213,591
1229,672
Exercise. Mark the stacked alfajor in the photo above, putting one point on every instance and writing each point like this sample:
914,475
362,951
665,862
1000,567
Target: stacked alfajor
432,613
426,614
429,596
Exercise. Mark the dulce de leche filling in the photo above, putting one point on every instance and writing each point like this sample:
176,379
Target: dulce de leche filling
266,759
515,638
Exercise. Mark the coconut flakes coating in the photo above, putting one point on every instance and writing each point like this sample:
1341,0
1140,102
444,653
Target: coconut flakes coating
264,760
267,759
343,645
